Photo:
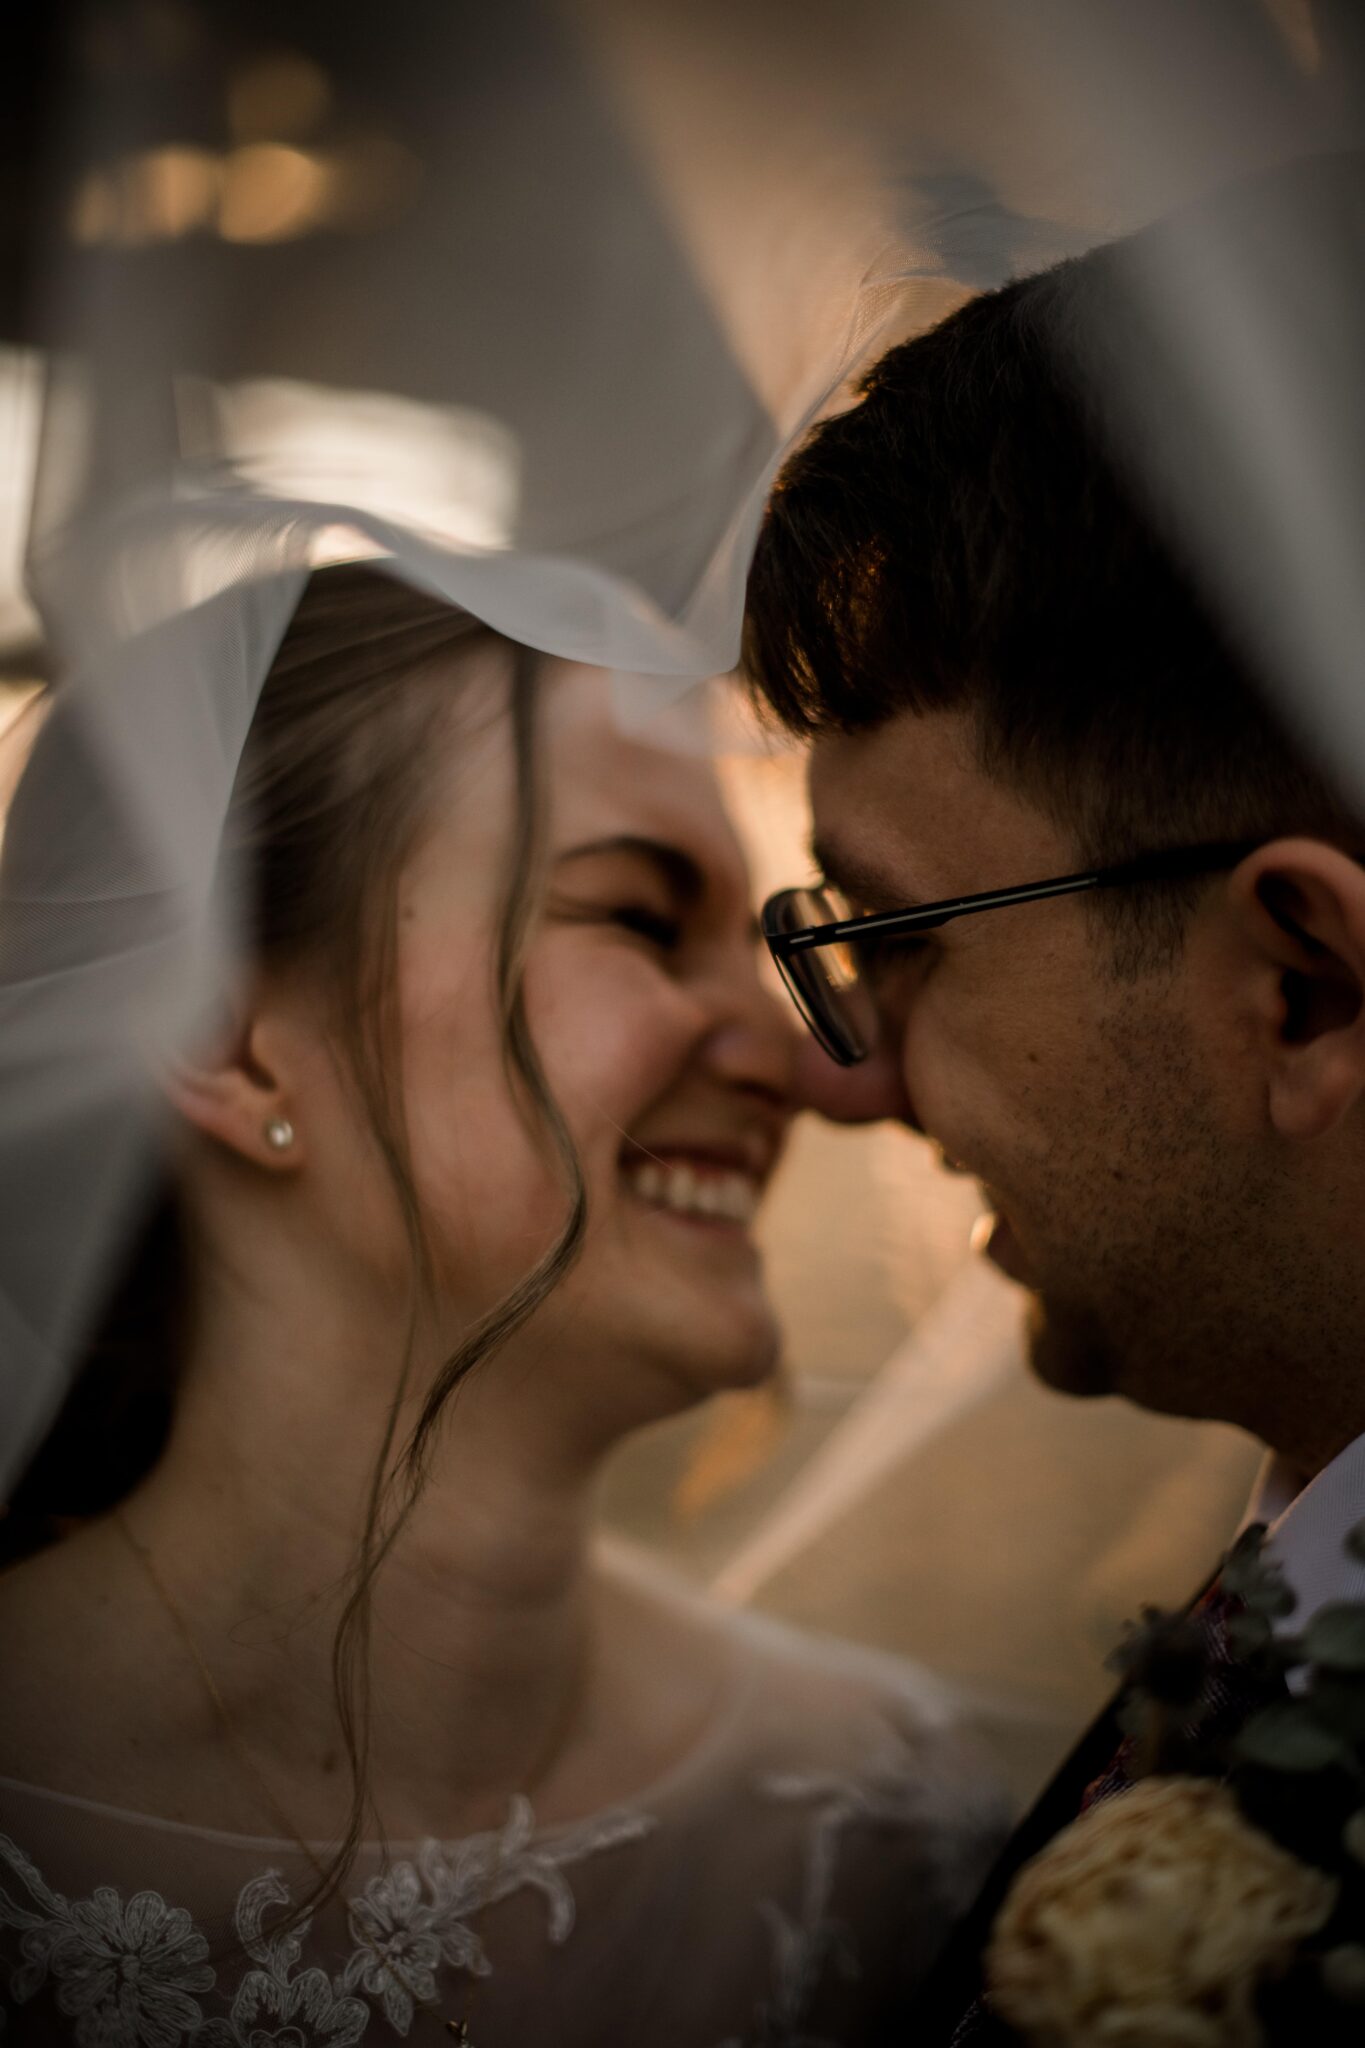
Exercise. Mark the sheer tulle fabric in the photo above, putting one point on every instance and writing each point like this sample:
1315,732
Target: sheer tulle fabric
530,301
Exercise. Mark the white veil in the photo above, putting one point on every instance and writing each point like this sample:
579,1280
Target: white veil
529,301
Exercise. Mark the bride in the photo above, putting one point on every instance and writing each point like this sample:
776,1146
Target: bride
324,1718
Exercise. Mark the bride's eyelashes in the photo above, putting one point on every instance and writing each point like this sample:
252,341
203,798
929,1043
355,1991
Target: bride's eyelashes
657,927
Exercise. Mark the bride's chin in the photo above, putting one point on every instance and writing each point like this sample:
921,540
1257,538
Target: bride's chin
726,1355
739,1367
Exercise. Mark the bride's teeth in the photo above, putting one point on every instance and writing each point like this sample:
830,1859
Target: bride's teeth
730,1197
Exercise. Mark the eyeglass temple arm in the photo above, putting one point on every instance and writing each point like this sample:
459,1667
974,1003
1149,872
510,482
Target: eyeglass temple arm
1167,865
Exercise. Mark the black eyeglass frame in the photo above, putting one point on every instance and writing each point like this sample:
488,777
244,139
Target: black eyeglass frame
1170,864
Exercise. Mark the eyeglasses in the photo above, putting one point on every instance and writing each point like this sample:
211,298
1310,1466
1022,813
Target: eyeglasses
817,942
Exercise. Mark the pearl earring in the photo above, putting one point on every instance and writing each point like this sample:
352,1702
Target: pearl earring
279,1133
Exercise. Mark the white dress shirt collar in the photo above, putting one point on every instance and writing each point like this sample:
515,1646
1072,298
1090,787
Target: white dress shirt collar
1308,1525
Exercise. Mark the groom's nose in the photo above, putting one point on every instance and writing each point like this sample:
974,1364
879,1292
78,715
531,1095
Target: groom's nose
865,1094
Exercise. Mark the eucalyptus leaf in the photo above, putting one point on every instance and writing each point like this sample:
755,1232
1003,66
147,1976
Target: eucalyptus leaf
1261,1587
1243,1563
1338,1699
1335,1637
1343,1973
1165,1657
1248,1633
1289,1737
1270,1594
1133,1715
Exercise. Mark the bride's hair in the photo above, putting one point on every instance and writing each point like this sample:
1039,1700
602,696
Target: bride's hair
330,796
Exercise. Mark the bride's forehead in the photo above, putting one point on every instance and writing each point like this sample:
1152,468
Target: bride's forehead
596,763
598,780
585,711
622,788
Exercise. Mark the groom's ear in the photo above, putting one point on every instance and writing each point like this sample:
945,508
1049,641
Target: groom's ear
1300,909
237,1088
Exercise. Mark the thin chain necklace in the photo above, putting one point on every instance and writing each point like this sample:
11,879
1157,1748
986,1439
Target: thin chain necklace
544,1758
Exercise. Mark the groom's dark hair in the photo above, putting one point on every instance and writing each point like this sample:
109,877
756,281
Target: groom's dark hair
966,538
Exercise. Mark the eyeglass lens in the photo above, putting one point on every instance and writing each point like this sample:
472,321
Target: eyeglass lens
824,981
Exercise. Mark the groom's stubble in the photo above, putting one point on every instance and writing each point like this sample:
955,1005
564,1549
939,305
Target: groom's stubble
1171,1260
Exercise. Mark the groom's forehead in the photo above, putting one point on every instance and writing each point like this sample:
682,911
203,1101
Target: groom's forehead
903,812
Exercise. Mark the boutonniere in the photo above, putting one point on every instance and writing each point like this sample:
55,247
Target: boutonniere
1219,1900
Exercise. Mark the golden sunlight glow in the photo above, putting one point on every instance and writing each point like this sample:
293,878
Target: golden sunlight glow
155,196
272,192
23,706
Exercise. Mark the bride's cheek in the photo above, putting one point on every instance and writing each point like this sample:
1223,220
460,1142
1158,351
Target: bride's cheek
601,1019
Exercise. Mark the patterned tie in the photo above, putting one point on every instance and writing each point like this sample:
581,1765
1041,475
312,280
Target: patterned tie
951,2012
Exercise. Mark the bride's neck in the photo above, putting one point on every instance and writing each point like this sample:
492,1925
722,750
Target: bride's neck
480,1611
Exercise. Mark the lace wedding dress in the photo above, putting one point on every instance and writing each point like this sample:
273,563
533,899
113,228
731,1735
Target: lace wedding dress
786,1882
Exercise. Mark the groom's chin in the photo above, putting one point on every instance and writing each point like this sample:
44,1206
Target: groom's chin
1068,1353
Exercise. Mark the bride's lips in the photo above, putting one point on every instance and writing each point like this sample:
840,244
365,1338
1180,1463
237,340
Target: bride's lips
711,1187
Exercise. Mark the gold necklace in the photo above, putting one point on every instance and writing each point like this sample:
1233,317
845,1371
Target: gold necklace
458,2029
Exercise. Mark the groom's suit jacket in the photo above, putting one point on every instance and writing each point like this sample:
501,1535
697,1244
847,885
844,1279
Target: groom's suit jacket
949,2007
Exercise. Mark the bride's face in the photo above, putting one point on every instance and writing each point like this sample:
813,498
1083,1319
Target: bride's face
668,1055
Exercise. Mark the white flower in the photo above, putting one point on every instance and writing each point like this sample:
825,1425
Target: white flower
1150,1922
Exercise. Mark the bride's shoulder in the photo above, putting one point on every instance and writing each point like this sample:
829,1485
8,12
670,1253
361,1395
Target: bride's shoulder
823,1750
70,1649
799,1699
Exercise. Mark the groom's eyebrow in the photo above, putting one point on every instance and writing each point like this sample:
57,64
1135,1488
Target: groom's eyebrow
862,880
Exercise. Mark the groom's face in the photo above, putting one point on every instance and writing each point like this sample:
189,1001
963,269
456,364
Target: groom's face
1100,1113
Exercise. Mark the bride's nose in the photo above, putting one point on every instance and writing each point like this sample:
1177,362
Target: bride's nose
754,1041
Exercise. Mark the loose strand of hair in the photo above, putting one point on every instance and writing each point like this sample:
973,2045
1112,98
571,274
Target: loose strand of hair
351,1658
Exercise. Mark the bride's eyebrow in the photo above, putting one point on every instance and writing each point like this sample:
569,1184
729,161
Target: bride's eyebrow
676,869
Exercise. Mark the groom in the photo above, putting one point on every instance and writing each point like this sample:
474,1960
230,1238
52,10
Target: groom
1007,678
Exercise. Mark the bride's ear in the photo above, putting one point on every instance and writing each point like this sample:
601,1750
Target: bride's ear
237,1091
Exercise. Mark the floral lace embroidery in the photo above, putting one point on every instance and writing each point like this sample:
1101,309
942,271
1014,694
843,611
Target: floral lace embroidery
122,1973
414,1916
307,2009
805,1945
132,1975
